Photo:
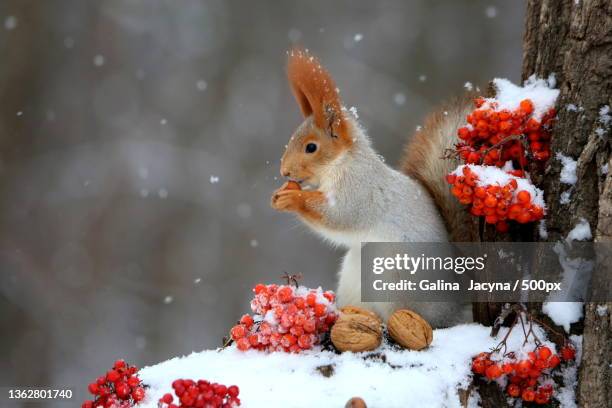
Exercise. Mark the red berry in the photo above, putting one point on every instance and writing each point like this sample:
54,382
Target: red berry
93,388
138,394
122,390
233,391
119,364
311,299
494,371
568,353
285,294
528,395
238,332
526,106
243,344
133,381
513,390
259,288
554,361
167,398
523,197
112,375
247,321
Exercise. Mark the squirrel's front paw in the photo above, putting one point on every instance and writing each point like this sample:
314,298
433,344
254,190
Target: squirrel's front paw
288,200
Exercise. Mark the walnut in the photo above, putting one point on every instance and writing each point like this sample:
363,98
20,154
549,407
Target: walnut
358,310
356,330
409,329
356,402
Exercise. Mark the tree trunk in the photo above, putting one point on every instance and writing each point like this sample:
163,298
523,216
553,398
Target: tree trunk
573,41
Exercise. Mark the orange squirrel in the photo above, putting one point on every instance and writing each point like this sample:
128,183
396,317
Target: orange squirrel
351,196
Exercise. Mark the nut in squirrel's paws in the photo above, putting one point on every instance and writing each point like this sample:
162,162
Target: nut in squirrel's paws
288,198
356,330
409,329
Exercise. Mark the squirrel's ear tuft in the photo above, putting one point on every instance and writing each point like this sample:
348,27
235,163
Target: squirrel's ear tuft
316,93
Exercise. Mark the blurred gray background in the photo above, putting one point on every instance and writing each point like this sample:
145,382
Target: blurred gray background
139,146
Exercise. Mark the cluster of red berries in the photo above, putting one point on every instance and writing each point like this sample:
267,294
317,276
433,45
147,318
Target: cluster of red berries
499,138
497,203
527,378
286,318
119,388
487,138
199,394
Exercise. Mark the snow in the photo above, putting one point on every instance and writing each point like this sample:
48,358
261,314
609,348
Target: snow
399,98
201,85
602,310
568,171
539,91
604,115
580,232
491,175
563,313
565,197
468,86
98,60
542,229
10,23
428,378
358,37
491,12
214,179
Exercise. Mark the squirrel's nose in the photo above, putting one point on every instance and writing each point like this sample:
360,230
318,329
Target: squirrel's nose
285,173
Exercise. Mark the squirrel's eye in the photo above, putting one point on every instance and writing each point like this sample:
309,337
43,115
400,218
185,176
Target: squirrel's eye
311,148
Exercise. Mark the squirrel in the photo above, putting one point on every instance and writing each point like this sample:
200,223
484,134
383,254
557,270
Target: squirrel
352,196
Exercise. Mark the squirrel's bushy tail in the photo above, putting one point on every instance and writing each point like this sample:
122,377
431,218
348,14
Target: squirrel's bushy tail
423,160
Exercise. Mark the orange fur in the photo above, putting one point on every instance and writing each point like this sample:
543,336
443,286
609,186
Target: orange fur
304,203
316,93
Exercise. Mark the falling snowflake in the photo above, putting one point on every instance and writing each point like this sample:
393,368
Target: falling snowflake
201,85
98,60
399,98
491,12
10,23
214,179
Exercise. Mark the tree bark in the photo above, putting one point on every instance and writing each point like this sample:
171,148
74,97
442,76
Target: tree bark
573,41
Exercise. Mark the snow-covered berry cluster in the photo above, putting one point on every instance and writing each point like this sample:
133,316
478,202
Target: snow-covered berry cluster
494,136
201,393
497,194
285,318
503,136
119,388
528,378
